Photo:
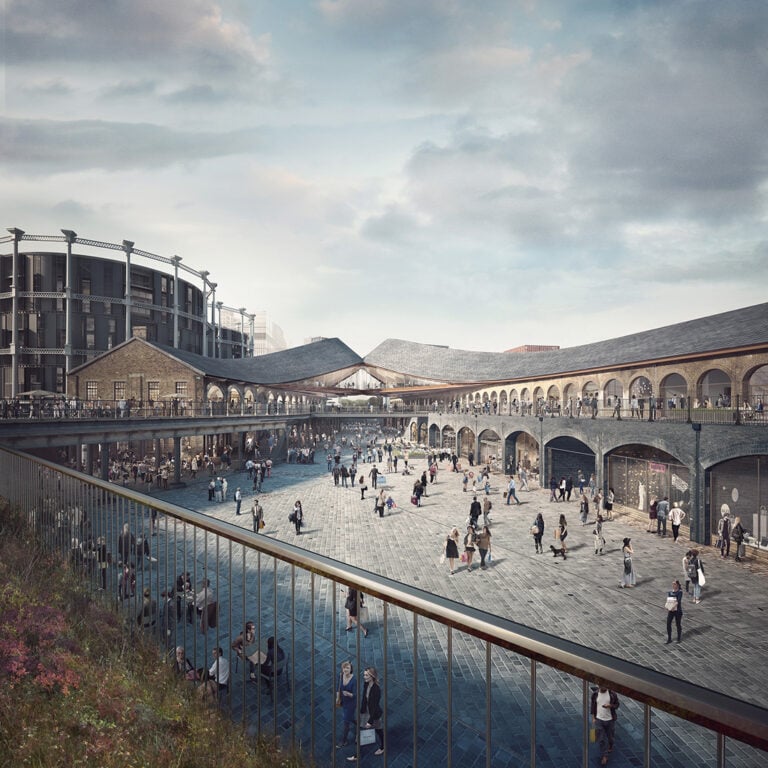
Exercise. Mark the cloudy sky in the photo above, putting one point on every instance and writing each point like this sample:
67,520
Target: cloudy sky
475,173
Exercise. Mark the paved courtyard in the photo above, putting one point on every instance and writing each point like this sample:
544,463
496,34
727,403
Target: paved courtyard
576,599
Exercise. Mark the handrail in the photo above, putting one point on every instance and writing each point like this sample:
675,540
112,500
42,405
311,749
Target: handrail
713,710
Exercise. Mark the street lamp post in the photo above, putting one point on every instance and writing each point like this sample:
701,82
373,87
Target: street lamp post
176,260
128,248
71,237
204,275
542,468
701,534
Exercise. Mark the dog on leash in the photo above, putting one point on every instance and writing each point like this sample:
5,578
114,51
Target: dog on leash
556,551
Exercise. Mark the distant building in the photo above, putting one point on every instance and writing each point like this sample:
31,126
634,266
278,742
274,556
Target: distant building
267,336
65,299
534,348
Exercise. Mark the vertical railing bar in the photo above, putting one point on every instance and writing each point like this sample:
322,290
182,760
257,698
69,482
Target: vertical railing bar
385,618
276,635
488,704
585,715
533,713
246,664
720,750
292,687
335,665
415,693
258,634
647,712
311,673
449,688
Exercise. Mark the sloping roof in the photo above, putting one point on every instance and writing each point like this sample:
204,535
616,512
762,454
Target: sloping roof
728,330
309,361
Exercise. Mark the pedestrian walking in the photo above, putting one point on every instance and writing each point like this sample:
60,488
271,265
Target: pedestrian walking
238,500
483,540
553,488
353,605
537,531
603,706
583,508
469,546
561,533
724,533
257,514
452,548
298,516
738,534
696,574
676,516
511,494
597,532
370,709
609,498
652,516
662,510
346,699
628,578
674,606
487,507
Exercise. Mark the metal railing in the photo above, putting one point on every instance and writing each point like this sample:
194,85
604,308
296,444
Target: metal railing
459,685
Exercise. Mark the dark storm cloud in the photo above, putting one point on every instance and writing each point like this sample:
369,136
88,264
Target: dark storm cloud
47,146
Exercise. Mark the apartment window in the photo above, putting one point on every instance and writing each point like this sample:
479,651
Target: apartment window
141,293
91,390
85,289
189,306
119,389
181,388
90,333
111,331
153,390
59,378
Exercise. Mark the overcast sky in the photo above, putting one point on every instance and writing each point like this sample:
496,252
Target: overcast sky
475,173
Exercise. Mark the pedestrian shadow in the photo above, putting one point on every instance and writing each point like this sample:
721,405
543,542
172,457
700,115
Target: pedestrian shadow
696,631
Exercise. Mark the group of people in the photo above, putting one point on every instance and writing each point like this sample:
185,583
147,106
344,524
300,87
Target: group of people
474,540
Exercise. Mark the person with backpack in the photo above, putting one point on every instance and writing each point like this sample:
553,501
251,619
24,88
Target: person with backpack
696,574
738,534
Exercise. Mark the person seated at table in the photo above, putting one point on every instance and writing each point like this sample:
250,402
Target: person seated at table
182,666
244,645
202,598
183,586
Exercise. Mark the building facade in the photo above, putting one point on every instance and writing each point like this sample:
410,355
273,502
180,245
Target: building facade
62,306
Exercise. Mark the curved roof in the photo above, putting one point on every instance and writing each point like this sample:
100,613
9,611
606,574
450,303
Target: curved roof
309,361
735,329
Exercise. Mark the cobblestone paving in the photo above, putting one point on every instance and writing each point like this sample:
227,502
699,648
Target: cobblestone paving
576,599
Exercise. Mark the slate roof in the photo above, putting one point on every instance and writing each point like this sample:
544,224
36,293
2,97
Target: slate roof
728,330
309,361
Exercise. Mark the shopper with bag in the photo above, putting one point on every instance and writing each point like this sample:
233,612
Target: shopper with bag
738,534
674,606
371,713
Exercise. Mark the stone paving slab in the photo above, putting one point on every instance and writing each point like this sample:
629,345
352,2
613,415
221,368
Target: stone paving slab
576,599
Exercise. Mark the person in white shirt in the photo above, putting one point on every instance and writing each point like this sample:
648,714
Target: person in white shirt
603,708
219,670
